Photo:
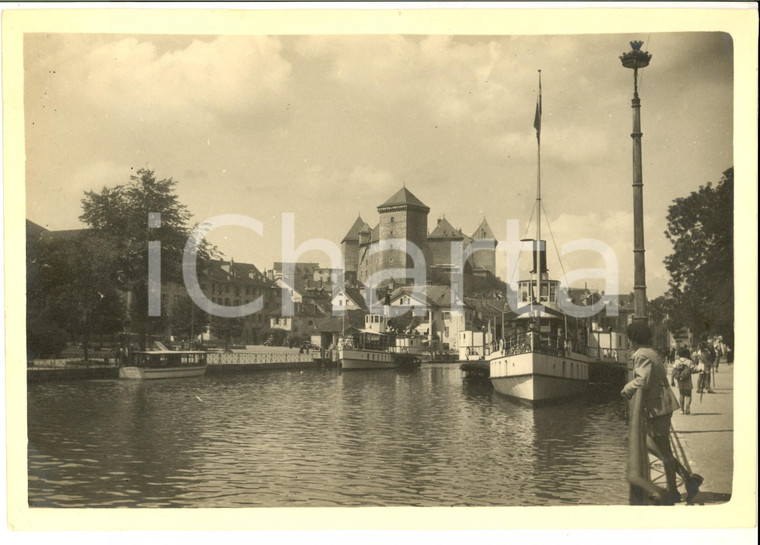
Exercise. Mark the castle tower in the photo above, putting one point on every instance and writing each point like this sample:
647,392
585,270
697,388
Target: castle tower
364,260
484,259
440,240
403,218
350,246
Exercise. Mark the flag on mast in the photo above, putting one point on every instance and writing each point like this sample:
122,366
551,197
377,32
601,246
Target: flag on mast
537,120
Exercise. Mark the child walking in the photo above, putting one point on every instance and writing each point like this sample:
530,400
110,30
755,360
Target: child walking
681,374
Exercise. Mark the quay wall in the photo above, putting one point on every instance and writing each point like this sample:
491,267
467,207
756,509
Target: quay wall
219,363
79,372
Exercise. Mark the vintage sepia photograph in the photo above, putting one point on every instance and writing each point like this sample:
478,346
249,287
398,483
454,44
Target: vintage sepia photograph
423,264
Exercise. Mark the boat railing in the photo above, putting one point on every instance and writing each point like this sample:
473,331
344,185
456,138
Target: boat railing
523,343
366,342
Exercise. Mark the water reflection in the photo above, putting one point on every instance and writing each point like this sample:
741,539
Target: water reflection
316,438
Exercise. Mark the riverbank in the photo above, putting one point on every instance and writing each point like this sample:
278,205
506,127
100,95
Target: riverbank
707,436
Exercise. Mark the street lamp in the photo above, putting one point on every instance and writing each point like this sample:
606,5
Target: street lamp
636,59
637,456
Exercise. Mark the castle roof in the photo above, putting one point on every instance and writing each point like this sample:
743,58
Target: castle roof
404,197
353,233
445,230
483,232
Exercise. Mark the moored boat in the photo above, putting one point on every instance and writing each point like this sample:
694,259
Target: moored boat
368,348
534,359
164,363
536,367
362,358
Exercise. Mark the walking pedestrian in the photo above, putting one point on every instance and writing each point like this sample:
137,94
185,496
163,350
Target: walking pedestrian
682,376
704,356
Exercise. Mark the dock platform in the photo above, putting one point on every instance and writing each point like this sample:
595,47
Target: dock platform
707,436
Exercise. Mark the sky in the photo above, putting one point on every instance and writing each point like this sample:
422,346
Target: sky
329,127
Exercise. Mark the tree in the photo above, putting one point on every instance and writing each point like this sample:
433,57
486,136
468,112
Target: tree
701,267
122,212
659,310
71,291
275,336
405,323
226,329
187,320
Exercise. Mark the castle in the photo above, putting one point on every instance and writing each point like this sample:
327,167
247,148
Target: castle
404,220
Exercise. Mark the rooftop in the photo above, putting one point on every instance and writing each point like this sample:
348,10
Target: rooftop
404,197
444,230
483,232
358,226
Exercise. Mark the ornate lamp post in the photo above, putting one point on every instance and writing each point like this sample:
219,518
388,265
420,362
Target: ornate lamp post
638,462
636,59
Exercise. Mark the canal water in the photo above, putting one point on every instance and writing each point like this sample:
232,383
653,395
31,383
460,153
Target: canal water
318,438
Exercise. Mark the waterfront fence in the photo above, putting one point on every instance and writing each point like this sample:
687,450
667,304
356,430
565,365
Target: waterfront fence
252,358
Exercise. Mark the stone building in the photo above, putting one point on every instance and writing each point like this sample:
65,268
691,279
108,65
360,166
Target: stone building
350,247
484,261
403,219
230,283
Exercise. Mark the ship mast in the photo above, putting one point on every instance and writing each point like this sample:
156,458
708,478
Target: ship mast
537,126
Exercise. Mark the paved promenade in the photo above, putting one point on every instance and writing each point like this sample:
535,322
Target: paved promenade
707,436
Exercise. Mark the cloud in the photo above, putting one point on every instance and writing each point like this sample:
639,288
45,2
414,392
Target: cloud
448,77
335,124
613,229
226,75
69,191
378,179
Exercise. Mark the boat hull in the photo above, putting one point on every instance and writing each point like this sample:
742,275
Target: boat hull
366,359
148,373
534,377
